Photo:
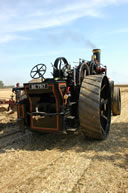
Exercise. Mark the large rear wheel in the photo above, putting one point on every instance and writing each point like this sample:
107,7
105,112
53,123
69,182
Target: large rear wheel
95,106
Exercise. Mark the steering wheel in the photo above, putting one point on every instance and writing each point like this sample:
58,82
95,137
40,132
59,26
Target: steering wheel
38,71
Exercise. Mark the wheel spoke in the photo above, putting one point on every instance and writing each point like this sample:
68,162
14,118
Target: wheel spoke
103,104
102,115
40,74
34,71
104,101
103,87
102,130
42,70
34,75
40,67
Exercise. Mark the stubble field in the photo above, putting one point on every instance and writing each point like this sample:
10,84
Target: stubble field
63,163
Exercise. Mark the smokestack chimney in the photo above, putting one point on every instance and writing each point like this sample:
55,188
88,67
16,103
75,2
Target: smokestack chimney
96,52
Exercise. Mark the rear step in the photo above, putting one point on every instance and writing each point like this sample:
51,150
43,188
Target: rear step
70,117
72,103
72,129
45,114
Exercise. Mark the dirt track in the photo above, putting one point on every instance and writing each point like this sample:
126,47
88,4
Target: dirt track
64,164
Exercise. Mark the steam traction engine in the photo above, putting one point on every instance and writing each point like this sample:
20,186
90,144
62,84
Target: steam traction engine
76,98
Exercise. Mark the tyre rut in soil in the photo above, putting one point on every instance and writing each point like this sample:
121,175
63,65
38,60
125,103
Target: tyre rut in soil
95,106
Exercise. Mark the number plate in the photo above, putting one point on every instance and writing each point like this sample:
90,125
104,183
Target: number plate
38,86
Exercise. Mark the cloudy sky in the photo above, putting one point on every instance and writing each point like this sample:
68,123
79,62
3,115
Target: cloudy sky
33,32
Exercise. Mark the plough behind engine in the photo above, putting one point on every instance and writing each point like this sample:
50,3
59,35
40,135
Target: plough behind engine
11,103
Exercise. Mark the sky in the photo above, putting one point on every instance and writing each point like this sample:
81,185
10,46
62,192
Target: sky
33,32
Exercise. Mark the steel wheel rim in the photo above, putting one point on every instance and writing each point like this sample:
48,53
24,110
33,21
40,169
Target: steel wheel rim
105,106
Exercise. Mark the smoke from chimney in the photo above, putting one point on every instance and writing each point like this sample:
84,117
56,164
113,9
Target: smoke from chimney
90,44
68,35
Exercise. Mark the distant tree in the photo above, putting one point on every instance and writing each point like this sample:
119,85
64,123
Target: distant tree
1,84
9,86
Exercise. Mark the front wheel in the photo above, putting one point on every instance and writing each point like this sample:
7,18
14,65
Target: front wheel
116,101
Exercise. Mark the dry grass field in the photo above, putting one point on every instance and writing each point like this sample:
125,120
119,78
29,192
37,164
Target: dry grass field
62,163
5,93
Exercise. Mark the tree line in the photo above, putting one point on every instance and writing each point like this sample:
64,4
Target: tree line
3,86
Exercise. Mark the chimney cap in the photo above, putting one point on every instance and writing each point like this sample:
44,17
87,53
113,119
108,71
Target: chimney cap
96,50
